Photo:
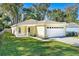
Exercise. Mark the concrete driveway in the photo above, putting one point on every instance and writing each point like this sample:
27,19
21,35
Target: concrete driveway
69,40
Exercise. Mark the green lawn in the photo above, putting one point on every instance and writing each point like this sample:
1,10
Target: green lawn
12,46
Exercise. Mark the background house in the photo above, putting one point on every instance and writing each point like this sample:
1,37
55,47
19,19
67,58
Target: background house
72,29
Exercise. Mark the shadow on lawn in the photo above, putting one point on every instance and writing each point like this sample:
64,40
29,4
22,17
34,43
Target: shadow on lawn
38,49
13,46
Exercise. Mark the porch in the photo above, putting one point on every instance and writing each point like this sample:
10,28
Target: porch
25,31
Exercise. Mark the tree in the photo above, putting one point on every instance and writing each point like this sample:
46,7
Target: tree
41,9
58,15
6,21
1,22
12,10
37,11
72,13
30,14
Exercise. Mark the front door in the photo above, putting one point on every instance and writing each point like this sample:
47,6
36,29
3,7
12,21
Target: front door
32,31
28,30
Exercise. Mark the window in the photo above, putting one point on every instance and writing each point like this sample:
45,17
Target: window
47,27
52,27
58,27
55,27
19,30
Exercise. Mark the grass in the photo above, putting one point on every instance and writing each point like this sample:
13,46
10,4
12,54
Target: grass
12,46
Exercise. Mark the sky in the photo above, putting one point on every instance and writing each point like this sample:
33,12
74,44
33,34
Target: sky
61,6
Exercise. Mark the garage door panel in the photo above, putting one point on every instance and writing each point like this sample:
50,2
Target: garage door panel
51,32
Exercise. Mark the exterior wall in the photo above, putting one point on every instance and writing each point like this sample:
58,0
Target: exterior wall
33,30
56,25
41,31
13,30
23,31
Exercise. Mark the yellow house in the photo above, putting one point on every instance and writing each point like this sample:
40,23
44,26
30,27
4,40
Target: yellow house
43,29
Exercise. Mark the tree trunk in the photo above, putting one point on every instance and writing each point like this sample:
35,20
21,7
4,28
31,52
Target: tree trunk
15,20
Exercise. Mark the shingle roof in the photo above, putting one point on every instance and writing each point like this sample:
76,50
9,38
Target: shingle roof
32,21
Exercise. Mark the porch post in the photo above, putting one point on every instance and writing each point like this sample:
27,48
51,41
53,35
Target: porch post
45,31
27,31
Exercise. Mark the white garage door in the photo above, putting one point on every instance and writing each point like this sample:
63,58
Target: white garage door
55,32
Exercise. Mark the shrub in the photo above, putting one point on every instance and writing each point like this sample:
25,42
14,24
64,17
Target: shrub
71,34
7,26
